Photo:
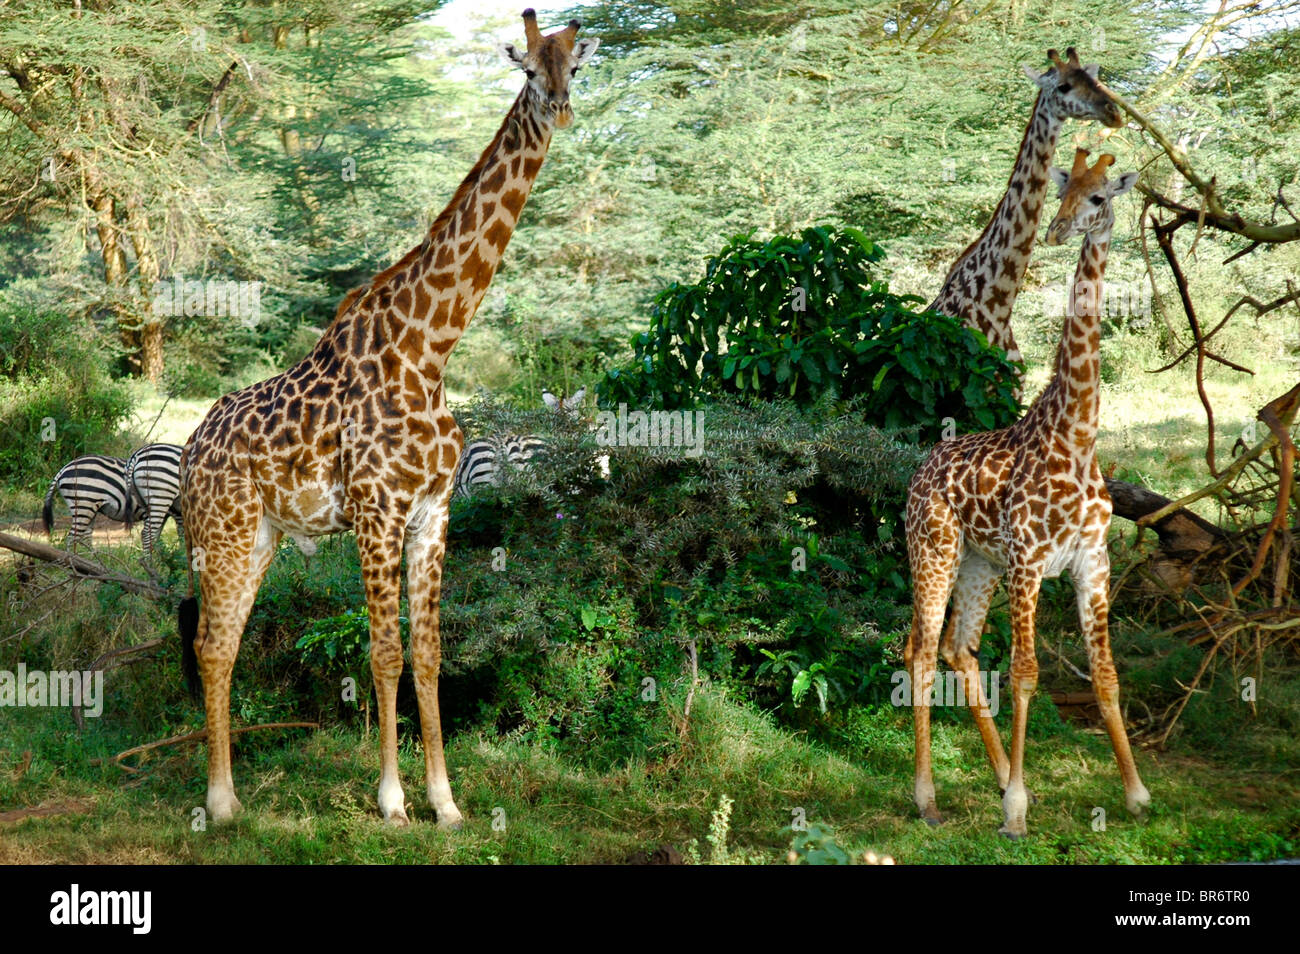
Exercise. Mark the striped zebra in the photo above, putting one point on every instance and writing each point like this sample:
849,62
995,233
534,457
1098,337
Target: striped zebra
90,485
479,460
153,474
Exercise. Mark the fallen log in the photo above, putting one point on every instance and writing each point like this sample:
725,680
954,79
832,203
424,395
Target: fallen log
80,566
1181,532
1184,536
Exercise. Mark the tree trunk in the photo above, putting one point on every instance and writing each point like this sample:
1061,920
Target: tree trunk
114,258
152,362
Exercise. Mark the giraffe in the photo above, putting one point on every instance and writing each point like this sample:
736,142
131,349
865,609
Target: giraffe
983,283
1028,501
358,435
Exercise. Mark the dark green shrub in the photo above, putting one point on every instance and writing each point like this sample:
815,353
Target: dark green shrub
802,318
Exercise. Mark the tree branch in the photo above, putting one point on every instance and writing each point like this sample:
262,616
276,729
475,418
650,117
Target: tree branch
80,566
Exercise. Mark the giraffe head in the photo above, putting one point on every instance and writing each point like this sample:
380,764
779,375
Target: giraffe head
1085,197
1074,91
550,63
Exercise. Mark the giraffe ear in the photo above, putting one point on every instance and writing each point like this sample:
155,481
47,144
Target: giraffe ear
1122,184
1034,75
511,55
584,48
576,397
550,400
1060,177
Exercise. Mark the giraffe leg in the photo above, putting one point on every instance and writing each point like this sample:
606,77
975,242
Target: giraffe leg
1023,584
1092,593
380,543
233,570
977,579
426,546
934,567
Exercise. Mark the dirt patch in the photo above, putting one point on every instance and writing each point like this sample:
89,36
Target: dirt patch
103,531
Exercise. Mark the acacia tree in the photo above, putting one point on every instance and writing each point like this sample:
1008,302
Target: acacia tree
138,123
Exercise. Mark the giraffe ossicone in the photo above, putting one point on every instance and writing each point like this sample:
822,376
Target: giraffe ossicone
358,436
1026,502
982,284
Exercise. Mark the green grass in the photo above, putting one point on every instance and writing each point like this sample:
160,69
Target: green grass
309,797
1226,787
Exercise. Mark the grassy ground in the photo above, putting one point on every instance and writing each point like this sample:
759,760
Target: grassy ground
1226,787
309,797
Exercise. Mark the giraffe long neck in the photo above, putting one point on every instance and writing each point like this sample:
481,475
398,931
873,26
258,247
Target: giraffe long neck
1072,401
982,285
430,295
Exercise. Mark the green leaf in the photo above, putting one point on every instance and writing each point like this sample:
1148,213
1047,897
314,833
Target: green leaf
799,688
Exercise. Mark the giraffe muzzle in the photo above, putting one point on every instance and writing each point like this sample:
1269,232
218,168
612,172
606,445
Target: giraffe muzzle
1055,235
561,113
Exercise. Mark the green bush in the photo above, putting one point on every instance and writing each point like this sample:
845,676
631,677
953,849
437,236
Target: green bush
57,400
569,592
801,317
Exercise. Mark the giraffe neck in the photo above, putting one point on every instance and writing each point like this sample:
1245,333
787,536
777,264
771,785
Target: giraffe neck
1072,401
424,302
982,285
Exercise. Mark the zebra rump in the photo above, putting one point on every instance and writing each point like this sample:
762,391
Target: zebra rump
153,473
480,460
89,485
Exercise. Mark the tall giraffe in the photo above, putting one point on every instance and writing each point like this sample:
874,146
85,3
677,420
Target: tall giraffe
983,283
358,435
1028,501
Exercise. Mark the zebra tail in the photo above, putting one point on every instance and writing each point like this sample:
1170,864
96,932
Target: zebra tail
47,512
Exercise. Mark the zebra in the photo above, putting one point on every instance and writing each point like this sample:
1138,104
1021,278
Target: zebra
91,485
478,460
153,474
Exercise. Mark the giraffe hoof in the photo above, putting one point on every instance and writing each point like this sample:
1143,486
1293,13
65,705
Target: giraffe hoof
1138,802
932,818
223,813
1012,834
451,824
397,819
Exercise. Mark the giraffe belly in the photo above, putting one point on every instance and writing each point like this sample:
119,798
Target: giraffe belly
1063,556
988,546
309,509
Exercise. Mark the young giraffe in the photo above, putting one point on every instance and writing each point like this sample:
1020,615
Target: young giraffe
1027,500
983,283
357,435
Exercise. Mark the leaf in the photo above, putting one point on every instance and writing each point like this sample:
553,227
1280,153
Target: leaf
589,617
799,688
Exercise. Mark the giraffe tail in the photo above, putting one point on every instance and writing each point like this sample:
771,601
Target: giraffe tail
188,618
188,623
47,512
